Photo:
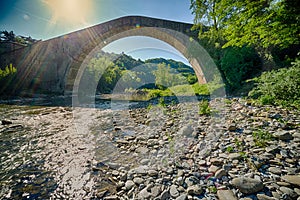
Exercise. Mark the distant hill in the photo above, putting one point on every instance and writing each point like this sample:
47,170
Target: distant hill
125,61
123,66
177,65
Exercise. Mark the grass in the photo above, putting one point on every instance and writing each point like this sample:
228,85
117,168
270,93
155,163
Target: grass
204,108
183,90
261,137
230,149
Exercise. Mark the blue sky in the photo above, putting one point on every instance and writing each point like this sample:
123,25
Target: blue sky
44,19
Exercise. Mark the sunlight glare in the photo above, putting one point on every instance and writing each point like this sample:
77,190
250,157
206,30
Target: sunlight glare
69,11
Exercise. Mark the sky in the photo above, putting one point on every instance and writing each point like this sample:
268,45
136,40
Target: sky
45,19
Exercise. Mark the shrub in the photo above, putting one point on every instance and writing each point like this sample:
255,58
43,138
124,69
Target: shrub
279,87
7,76
204,108
239,64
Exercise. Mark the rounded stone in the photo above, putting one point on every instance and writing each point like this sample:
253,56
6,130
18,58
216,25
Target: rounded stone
247,185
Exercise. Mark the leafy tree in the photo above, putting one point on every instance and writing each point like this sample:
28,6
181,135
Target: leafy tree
192,78
209,13
239,64
165,78
264,24
8,36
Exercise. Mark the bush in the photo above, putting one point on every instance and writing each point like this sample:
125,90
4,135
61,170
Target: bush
279,87
238,65
7,76
153,93
204,108
201,89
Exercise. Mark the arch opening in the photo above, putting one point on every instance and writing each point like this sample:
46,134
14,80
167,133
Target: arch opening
189,48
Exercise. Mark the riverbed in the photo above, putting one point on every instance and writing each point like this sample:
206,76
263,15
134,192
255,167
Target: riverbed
110,151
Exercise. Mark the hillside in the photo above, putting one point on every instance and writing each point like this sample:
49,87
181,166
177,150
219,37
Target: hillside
107,69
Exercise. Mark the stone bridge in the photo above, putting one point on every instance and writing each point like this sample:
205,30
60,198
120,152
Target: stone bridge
56,65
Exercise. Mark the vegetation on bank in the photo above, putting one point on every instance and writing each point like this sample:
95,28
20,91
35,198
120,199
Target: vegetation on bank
6,77
154,77
279,87
246,38
10,36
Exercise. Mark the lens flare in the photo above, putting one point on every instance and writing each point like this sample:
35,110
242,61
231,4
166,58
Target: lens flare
69,11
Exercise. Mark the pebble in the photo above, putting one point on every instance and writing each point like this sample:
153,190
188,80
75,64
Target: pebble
6,122
283,135
234,156
293,179
220,173
129,184
291,193
194,190
226,195
247,185
173,191
188,156
275,170
264,197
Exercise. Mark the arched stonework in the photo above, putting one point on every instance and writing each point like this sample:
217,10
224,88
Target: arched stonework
54,65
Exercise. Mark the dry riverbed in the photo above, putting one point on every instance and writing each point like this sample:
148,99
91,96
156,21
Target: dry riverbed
159,152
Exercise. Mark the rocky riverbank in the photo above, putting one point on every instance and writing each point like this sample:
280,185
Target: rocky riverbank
238,151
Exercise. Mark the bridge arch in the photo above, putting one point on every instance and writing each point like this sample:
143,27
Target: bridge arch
178,35
56,65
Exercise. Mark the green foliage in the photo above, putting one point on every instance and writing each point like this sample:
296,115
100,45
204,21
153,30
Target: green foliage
212,189
6,78
153,93
182,90
104,71
262,23
192,78
164,77
127,62
175,65
204,108
230,149
161,102
7,36
279,87
210,13
107,69
7,71
261,137
239,64
201,89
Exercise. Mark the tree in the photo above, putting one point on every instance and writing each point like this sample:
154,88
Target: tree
264,24
8,36
165,78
